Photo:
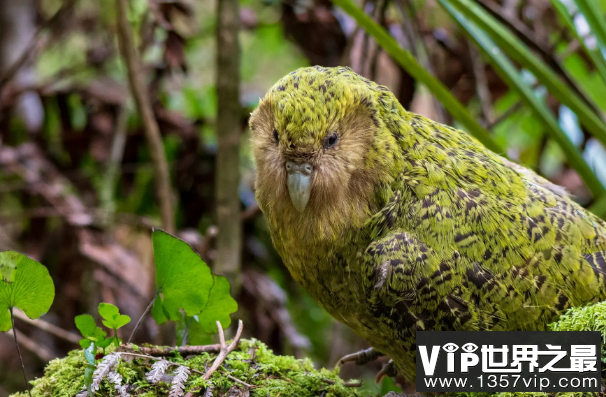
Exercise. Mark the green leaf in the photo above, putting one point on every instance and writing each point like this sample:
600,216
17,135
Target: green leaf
182,278
92,334
88,378
107,310
105,342
512,77
195,334
112,317
186,282
412,67
32,289
595,18
158,312
220,305
508,43
595,53
88,328
89,354
8,265
85,324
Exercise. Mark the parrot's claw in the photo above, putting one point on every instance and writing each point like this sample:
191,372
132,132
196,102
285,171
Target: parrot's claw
387,370
360,358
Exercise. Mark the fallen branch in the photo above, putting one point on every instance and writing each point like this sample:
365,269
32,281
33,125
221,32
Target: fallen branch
147,356
225,349
167,351
48,327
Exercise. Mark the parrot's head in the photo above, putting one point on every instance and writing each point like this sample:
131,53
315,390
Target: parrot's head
322,146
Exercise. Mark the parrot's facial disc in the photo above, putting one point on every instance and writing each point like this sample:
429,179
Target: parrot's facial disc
299,183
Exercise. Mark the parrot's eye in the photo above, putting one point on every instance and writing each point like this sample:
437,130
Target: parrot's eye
331,141
276,136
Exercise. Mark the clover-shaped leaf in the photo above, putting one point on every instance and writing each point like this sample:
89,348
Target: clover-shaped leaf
26,285
91,333
112,317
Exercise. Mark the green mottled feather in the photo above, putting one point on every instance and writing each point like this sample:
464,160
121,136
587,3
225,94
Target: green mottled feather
452,236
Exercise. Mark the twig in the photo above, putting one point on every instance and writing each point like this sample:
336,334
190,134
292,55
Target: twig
528,37
238,380
29,49
193,369
417,45
346,57
481,84
250,212
510,110
50,328
166,351
225,349
186,333
152,131
346,384
205,247
147,309
20,356
108,186
192,393
381,9
156,358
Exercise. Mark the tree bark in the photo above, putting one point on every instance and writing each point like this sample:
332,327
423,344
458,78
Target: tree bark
229,239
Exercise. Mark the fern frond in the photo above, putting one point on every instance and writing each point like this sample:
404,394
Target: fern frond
116,379
157,370
103,369
178,385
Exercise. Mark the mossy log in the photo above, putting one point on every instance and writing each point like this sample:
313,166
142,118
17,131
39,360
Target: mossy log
253,370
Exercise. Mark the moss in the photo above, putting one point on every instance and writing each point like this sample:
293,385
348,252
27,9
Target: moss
587,318
252,363
272,375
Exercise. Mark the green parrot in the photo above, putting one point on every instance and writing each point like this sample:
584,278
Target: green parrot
395,223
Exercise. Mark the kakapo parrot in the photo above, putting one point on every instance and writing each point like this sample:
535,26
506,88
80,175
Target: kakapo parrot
395,223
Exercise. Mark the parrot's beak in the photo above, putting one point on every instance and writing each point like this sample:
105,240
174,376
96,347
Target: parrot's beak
299,183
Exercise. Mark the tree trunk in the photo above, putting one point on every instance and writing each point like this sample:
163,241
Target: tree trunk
229,239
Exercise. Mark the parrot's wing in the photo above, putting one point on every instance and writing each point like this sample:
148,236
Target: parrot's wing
410,287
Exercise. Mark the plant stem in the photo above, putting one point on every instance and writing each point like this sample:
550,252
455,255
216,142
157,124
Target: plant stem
136,80
19,351
147,309
186,332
